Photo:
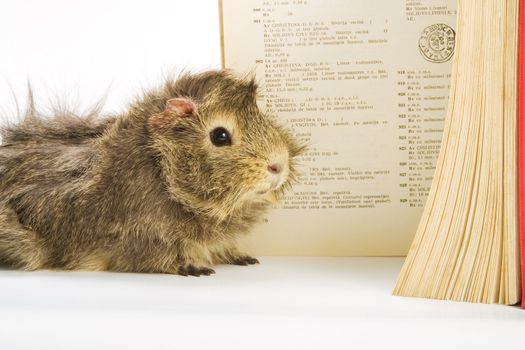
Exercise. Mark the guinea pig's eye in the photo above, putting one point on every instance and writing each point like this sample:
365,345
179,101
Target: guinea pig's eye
220,137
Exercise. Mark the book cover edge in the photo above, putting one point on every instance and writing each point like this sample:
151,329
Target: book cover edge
521,141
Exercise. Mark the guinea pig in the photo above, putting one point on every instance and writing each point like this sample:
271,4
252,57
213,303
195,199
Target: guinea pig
166,187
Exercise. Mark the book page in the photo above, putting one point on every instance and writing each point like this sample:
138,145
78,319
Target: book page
366,84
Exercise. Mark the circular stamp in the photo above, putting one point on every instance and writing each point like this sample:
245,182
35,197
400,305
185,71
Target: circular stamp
437,43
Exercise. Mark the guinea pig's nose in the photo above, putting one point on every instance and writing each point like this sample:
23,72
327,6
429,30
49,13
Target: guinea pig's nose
275,168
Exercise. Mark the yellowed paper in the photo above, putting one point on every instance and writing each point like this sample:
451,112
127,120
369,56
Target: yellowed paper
366,83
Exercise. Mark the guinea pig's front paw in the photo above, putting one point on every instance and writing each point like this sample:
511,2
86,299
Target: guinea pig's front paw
244,260
193,270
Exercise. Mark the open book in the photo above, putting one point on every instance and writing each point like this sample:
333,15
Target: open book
366,84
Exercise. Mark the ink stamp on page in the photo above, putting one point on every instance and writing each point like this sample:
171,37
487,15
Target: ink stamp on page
437,43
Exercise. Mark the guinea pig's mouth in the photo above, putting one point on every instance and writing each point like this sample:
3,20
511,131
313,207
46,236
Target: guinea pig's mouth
269,187
264,190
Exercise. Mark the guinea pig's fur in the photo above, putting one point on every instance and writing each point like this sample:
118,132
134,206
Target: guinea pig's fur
147,190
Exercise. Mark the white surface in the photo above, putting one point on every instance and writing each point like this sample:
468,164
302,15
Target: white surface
284,303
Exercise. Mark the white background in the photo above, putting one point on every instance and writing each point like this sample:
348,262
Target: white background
77,52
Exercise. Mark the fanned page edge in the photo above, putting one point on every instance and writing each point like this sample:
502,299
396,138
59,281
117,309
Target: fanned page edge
493,276
521,136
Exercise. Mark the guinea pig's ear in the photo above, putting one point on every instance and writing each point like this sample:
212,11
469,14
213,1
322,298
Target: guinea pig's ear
181,107
176,108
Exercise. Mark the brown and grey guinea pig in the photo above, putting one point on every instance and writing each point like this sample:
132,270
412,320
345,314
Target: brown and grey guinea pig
166,187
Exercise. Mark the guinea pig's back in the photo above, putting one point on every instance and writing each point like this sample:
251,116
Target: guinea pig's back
37,168
42,154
